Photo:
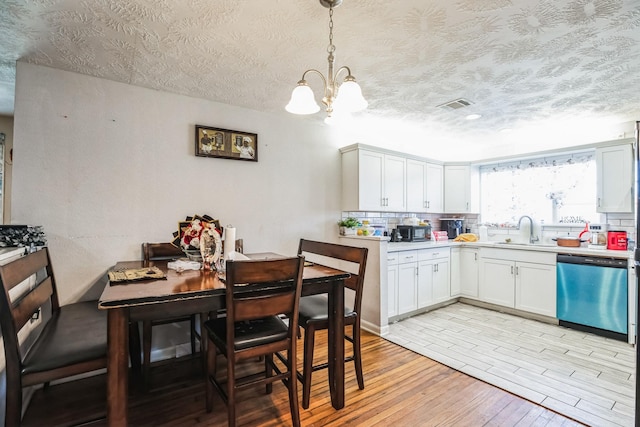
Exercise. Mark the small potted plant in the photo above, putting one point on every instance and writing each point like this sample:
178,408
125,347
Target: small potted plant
348,226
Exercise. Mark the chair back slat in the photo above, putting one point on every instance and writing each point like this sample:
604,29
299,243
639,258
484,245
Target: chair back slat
160,252
21,269
332,250
24,307
256,308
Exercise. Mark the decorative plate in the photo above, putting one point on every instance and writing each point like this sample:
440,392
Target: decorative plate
210,245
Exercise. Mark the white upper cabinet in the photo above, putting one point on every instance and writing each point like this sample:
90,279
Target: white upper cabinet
373,181
416,186
424,186
615,178
435,182
461,189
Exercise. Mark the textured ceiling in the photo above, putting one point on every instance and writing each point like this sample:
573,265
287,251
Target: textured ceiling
526,65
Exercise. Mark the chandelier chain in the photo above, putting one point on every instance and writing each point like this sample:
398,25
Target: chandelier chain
331,48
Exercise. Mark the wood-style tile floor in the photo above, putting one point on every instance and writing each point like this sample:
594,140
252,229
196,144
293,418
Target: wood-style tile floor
583,376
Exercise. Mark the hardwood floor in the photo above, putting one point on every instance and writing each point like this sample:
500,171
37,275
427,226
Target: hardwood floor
402,388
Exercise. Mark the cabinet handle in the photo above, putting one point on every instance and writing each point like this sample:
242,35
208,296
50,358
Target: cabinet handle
436,266
428,204
517,271
475,256
512,270
467,206
599,204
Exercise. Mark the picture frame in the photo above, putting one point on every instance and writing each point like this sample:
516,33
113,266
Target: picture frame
226,143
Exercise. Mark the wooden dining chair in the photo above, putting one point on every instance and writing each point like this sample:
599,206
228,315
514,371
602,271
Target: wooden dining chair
258,293
162,252
70,340
314,311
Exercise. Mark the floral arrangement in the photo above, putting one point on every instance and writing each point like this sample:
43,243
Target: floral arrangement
22,236
190,231
192,234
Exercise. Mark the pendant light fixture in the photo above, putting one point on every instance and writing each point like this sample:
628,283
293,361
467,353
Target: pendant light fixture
344,98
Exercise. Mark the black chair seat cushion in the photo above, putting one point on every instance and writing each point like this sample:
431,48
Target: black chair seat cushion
76,334
316,308
248,334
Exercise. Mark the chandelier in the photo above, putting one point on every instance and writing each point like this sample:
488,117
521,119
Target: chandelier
344,98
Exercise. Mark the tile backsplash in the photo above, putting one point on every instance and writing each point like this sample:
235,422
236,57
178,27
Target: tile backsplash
544,232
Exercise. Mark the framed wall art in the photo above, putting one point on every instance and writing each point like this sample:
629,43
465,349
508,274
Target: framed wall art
226,144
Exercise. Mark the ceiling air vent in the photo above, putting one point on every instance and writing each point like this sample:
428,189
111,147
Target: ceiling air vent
456,104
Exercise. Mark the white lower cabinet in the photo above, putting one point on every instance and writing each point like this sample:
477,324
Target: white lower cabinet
469,261
392,284
506,280
536,288
434,284
497,282
402,282
456,269
417,279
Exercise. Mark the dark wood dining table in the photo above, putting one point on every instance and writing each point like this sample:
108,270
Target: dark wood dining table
199,291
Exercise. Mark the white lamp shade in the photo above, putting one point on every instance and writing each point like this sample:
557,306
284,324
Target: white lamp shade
302,101
349,98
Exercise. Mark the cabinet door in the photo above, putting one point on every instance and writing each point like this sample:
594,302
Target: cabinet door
435,182
371,179
392,290
441,281
407,287
468,273
536,288
456,271
394,183
615,178
457,183
416,186
497,282
425,283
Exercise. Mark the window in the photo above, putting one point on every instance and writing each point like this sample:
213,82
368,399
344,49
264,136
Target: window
560,189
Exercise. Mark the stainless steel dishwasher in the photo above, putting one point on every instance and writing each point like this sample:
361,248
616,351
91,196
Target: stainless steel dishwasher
592,294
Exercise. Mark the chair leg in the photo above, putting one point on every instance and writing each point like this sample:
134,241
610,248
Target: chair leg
357,356
307,367
210,371
231,392
203,340
13,409
293,389
268,371
194,333
146,352
134,347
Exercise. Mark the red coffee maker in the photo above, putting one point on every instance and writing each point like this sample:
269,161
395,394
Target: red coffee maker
617,240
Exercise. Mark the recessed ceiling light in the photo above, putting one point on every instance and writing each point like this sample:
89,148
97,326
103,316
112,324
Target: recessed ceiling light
473,116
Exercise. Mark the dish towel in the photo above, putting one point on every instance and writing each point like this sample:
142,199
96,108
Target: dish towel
466,237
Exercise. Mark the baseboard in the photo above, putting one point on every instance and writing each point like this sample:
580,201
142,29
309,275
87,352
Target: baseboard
374,329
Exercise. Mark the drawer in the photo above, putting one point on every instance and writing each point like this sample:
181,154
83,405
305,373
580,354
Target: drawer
392,258
428,254
407,256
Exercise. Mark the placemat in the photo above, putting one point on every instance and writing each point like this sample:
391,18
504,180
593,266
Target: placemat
136,274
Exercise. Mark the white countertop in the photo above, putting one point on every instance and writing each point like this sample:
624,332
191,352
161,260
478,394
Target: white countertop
404,246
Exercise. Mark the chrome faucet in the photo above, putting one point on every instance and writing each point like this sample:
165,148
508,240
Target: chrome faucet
532,239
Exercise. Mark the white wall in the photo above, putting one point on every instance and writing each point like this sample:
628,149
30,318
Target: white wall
105,166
